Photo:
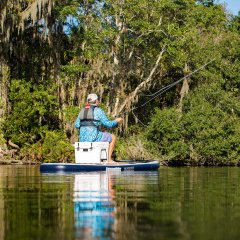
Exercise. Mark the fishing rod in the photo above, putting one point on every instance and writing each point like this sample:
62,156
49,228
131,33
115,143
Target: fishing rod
166,88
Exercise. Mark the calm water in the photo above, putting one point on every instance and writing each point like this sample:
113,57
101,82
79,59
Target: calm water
174,203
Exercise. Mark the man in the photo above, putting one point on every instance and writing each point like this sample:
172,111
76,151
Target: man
90,120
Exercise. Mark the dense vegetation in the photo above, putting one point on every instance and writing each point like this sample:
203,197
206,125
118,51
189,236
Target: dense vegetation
53,53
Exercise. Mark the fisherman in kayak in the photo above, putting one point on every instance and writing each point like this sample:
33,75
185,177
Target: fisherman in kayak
89,122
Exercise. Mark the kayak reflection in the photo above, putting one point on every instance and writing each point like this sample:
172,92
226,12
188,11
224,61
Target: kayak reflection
94,206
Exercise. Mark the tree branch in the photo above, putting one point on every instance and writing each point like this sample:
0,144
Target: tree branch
132,96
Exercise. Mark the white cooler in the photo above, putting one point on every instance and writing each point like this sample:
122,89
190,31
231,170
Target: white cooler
91,152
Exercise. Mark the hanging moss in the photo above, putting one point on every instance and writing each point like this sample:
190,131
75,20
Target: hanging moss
4,87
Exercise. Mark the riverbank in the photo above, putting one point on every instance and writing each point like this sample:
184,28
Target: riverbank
209,163
16,156
11,162
11,157
8,160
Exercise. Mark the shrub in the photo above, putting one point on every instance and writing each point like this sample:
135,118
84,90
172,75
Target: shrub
33,111
211,124
206,132
132,147
54,147
164,135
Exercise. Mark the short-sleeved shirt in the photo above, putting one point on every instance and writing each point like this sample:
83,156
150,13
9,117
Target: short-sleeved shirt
91,133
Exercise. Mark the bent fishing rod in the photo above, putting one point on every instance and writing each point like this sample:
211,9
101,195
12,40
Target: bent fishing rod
166,88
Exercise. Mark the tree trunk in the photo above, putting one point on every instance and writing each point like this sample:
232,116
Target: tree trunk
132,97
184,89
4,89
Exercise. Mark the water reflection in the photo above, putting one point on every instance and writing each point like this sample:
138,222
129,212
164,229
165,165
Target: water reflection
106,203
173,204
94,206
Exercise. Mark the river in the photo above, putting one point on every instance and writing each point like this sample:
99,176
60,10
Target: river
172,203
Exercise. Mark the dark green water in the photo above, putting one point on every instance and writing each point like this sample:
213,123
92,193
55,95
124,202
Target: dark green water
174,203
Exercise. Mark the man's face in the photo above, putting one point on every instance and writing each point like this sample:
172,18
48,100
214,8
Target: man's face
97,102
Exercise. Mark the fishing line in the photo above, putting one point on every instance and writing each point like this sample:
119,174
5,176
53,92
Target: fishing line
138,119
181,79
164,89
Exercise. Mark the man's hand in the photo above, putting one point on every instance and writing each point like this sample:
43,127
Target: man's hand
119,120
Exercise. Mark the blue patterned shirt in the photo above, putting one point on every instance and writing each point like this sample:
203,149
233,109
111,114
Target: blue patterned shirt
90,133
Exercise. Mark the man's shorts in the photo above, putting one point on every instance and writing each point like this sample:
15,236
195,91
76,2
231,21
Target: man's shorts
106,137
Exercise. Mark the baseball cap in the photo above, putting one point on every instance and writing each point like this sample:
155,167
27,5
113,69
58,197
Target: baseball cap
92,97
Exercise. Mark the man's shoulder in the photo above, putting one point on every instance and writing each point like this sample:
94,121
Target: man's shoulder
96,108
99,111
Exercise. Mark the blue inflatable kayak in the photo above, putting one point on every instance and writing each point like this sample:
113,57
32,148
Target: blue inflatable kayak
133,165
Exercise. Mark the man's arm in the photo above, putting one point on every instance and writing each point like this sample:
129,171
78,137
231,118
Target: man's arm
77,122
102,117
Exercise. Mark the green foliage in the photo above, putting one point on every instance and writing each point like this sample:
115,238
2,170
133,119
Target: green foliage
164,135
71,113
54,147
132,147
73,69
207,132
211,124
230,64
33,111
2,141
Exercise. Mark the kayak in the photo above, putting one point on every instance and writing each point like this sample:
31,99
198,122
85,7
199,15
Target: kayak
124,165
